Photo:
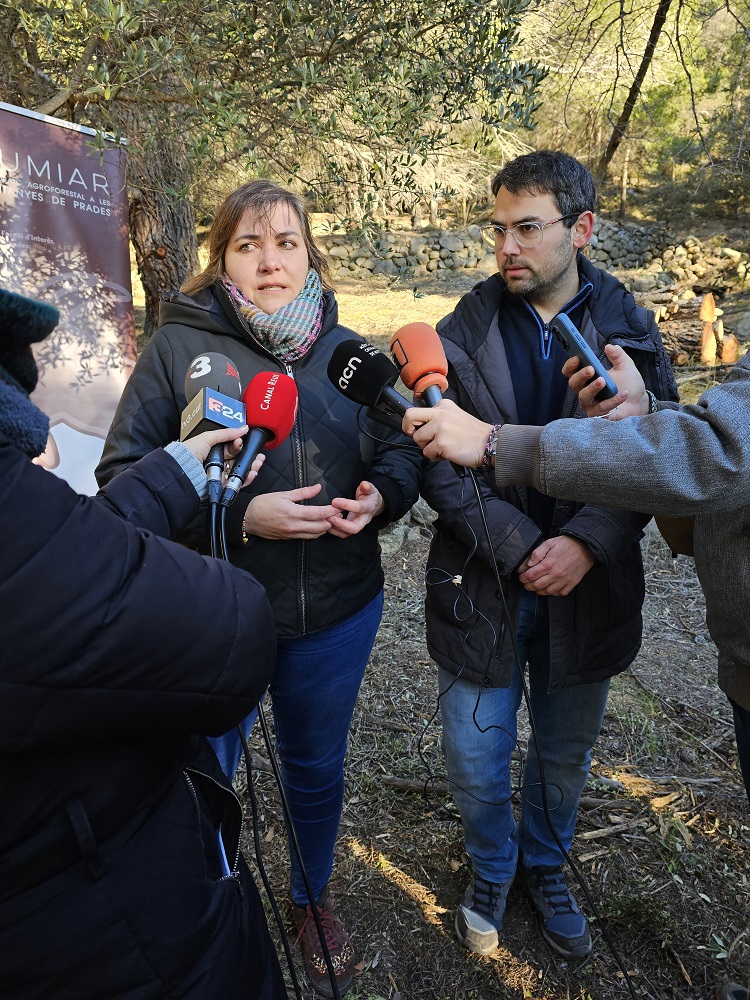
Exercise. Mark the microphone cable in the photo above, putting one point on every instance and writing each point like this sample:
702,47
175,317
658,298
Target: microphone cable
262,868
457,581
213,528
542,782
292,833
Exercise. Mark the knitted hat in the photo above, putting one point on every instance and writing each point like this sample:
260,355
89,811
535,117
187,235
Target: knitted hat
23,322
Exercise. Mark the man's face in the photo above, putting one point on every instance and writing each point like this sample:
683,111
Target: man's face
544,271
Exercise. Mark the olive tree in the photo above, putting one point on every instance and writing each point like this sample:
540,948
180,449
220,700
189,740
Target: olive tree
197,84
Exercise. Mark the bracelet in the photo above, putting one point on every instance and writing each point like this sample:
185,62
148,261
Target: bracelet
653,404
489,448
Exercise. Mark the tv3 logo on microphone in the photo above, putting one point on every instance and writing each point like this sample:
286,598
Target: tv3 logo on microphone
201,367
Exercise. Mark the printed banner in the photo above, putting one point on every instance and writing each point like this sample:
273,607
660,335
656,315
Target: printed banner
64,239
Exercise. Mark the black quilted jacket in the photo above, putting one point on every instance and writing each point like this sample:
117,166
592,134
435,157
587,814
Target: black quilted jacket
311,584
595,631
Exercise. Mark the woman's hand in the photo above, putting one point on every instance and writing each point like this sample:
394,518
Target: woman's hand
630,401
201,444
367,504
231,437
283,515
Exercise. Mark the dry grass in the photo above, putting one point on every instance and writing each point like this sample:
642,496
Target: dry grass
376,307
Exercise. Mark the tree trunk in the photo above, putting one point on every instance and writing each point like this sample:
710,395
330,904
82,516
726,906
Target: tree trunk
624,184
618,132
162,223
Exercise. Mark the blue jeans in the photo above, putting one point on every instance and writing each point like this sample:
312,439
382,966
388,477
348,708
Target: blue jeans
313,692
478,755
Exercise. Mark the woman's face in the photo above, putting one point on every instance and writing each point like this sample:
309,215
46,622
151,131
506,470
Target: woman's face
267,259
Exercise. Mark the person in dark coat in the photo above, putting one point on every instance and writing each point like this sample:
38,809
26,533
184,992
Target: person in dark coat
120,869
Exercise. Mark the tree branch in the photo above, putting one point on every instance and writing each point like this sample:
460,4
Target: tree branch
54,104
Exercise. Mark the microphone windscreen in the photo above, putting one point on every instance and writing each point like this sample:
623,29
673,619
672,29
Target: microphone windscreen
212,371
271,404
361,371
419,354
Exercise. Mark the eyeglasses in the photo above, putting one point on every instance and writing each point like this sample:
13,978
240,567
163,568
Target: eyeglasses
526,234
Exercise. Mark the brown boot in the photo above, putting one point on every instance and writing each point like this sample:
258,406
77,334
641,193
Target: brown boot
339,946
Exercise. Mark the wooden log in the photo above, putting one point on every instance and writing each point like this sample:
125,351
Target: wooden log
730,349
708,344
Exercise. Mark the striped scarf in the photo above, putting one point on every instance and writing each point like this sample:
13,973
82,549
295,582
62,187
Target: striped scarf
290,332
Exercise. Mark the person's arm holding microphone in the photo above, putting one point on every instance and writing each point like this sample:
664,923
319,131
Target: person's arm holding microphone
447,432
417,351
165,511
632,460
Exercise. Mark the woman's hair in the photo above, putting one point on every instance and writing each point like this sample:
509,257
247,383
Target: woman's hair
261,197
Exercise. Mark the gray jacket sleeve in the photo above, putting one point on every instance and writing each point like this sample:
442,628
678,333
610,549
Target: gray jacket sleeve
674,462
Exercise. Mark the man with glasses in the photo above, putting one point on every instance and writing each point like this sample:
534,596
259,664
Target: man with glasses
522,579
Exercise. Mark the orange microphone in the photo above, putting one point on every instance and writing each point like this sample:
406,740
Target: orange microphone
419,355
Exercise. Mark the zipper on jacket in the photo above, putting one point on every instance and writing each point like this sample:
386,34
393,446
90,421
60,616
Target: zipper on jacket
299,465
234,874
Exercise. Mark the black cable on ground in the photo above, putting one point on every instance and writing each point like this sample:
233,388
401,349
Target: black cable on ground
542,782
292,833
262,869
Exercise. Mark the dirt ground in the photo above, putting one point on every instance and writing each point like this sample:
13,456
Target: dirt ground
663,831
662,838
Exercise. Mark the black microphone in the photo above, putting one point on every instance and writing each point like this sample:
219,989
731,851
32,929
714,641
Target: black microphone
366,376
270,401
212,389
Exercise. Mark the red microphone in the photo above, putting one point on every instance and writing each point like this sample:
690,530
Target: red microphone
419,354
271,406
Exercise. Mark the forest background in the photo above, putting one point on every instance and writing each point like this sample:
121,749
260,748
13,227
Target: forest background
374,109
382,112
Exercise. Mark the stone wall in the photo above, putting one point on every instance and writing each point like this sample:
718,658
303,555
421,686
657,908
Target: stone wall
613,246
412,253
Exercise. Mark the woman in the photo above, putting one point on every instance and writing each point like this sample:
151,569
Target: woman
307,528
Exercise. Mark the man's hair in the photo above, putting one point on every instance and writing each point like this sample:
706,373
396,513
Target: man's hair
556,174
261,197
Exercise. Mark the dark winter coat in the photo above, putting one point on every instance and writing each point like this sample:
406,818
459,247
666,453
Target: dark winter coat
595,631
117,646
311,584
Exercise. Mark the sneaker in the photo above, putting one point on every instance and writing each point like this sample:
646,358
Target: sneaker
480,916
340,947
563,925
732,991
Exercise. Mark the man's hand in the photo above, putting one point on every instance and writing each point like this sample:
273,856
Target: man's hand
283,515
556,566
445,431
366,505
630,401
